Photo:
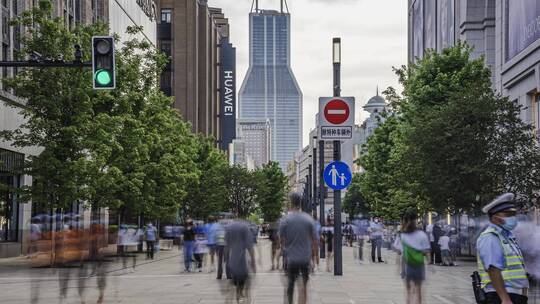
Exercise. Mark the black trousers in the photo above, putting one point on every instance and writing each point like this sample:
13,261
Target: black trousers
361,249
293,271
493,298
150,249
221,257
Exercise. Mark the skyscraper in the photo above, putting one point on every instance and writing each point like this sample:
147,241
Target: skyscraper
270,90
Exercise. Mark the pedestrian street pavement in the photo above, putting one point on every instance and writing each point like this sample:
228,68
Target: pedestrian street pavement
163,281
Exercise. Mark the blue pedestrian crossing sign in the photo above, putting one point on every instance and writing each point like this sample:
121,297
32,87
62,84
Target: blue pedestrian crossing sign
337,175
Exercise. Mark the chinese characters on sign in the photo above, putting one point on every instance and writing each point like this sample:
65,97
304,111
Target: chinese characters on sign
336,132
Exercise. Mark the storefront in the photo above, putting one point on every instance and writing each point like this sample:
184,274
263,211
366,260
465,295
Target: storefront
11,164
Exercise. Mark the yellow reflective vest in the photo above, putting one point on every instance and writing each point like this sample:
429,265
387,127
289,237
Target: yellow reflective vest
514,269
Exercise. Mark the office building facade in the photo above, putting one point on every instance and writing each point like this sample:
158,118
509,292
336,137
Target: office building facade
14,215
270,90
504,32
196,37
257,136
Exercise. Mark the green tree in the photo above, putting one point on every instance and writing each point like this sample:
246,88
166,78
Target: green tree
59,110
454,139
125,148
242,191
271,191
354,202
464,139
208,194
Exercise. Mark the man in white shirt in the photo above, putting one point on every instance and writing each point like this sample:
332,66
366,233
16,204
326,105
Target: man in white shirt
376,234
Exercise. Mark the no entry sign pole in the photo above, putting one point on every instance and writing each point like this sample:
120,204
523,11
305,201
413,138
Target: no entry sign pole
338,255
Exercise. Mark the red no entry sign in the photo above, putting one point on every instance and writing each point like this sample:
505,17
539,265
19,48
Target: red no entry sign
337,111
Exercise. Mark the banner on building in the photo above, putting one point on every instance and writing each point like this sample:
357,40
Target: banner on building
523,25
228,94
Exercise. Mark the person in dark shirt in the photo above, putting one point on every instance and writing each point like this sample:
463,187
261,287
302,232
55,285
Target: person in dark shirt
239,239
189,239
328,234
297,235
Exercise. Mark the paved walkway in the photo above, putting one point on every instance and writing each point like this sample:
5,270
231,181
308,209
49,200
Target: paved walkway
162,281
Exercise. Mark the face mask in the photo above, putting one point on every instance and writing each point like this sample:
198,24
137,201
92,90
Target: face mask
510,223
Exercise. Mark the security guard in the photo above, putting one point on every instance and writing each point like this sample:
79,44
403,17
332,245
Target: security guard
500,260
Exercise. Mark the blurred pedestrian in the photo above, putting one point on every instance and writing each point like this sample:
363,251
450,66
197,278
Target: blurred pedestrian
429,231
444,244
189,239
362,226
200,250
273,235
315,258
501,263
413,246
220,250
150,235
376,233
438,232
328,235
239,239
298,238
211,241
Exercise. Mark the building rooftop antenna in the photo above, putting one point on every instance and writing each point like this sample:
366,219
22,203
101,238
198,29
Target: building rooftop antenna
286,6
256,3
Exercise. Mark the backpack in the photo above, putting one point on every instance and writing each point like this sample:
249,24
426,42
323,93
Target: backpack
412,256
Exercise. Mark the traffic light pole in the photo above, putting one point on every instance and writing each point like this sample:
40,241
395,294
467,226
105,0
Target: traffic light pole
338,255
45,64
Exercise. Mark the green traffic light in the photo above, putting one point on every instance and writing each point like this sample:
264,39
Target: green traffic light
103,77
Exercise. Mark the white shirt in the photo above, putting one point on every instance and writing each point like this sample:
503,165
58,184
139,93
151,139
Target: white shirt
417,240
429,231
444,242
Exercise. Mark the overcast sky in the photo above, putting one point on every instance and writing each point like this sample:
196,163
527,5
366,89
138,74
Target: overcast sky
373,35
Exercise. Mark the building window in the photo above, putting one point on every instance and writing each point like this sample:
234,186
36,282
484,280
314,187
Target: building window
418,29
535,113
521,26
166,14
5,50
166,47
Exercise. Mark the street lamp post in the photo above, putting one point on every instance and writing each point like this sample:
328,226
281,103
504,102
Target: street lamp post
322,252
310,181
338,263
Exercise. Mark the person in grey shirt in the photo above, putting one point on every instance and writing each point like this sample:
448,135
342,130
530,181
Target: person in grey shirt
239,240
297,233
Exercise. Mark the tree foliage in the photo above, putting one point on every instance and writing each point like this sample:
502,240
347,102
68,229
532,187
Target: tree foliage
354,202
125,148
209,193
242,185
271,191
452,144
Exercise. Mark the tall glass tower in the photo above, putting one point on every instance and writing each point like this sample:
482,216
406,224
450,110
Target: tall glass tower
270,90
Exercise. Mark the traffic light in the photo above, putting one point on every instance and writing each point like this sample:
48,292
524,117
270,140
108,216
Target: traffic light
103,64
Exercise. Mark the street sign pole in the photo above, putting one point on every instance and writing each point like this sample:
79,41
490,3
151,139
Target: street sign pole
338,262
